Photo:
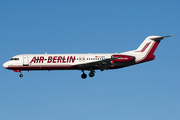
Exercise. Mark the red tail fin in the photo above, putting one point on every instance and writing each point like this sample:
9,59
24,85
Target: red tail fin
149,46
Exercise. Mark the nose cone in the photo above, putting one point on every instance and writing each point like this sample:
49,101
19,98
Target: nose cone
5,65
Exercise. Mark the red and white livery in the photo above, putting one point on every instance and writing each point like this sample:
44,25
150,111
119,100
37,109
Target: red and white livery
90,62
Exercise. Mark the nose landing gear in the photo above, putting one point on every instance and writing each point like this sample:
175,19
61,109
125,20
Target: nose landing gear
21,75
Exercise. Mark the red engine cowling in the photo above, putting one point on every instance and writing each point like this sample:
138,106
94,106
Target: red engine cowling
123,58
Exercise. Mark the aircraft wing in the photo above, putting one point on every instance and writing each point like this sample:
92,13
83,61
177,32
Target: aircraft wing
96,63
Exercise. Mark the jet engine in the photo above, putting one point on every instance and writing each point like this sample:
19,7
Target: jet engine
123,58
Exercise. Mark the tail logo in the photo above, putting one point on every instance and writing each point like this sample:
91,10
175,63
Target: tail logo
144,48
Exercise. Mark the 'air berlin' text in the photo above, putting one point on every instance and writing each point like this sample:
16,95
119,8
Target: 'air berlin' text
53,59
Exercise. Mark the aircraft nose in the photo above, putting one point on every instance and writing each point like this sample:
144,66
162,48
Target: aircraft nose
5,65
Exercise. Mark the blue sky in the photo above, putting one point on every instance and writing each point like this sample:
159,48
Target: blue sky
146,91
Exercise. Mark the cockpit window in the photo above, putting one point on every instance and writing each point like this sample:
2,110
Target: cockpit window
14,59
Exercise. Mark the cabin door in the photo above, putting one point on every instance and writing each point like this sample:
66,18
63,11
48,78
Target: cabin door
25,60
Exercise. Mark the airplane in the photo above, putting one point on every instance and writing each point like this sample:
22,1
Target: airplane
90,62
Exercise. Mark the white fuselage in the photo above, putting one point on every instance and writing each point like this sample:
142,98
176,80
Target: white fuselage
53,61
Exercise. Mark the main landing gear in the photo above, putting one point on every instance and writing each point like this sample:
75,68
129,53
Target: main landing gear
91,74
84,76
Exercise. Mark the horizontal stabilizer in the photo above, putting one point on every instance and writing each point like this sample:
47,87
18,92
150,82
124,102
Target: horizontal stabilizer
160,38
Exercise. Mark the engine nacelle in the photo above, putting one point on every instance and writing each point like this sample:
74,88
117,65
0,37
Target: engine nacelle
123,58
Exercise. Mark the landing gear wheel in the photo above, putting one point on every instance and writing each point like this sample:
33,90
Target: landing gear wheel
83,76
21,75
91,74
